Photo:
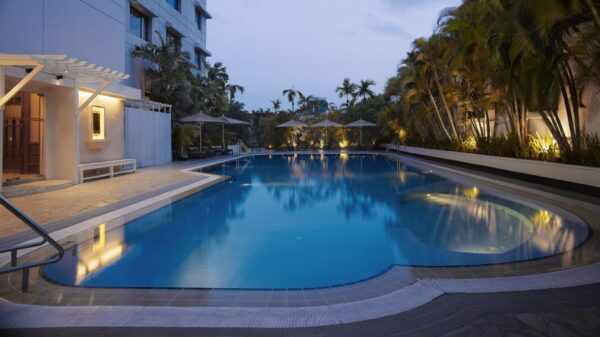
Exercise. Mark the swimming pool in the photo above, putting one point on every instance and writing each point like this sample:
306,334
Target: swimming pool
309,221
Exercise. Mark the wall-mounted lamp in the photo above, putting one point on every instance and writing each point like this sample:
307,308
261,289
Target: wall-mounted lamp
59,77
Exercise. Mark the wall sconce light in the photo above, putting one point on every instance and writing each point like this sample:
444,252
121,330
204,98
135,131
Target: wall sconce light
59,77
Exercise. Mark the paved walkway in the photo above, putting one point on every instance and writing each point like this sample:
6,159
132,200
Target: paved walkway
570,312
84,201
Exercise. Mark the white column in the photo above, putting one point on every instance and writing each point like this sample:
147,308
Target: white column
2,92
76,134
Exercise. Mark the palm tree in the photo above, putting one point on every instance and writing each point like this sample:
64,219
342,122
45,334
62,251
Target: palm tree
364,89
332,106
218,73
291,97
347,89
304,102
233,89
430,55
168,79
214,89
416,89
276,105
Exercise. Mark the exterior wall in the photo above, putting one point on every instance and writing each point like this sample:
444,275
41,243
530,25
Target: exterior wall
164,16
113,148
79,28
591,112
96,31
60,154
147,137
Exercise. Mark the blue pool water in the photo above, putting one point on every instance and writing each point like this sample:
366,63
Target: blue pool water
314,221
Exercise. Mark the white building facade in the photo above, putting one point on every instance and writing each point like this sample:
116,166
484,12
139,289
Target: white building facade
57,122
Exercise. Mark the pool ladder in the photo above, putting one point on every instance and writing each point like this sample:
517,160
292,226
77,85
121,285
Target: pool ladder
243,146
15,250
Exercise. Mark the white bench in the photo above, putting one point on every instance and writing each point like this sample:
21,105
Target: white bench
124,165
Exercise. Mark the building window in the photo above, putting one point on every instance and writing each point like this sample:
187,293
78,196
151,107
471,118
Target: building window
175,4
198,58
173,37
199,19
98,123
138,24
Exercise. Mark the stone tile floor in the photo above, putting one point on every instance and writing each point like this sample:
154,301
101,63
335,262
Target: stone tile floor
570,312
62,208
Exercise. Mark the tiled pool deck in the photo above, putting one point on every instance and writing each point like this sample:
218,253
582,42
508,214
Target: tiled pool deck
584,260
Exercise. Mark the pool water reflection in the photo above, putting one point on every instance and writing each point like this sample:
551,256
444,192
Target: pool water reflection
315,221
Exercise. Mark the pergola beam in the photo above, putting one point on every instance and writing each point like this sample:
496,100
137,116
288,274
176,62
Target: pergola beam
23,82
95,94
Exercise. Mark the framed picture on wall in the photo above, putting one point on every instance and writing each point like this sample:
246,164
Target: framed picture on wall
97,120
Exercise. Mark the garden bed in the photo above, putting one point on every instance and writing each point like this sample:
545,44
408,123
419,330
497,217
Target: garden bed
583,175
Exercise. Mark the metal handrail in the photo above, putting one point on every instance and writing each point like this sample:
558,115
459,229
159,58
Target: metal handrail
14,250
243,146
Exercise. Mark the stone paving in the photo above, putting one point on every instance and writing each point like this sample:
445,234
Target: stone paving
49,208
570,312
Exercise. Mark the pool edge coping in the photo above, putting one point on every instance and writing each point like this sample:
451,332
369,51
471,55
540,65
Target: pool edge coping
399,301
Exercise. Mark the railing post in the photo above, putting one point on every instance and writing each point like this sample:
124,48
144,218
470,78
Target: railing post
13,258
13,251
25,280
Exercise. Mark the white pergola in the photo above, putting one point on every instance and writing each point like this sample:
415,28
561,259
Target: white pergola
95,77
59,65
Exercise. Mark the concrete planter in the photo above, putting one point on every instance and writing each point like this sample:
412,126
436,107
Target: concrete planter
571,173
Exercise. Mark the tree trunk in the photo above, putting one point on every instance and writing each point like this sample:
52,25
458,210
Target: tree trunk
437,112
446,107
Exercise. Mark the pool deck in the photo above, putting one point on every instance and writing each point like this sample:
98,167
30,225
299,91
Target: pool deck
61,208
454,301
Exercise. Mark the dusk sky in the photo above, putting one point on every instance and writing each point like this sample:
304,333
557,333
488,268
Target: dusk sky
271,45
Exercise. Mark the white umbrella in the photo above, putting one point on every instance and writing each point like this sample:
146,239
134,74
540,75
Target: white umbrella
361,124
229,121
200,119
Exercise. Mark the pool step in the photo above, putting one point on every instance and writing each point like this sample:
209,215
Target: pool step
35,187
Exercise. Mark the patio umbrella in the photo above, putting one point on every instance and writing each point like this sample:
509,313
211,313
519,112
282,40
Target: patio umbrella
230,121
361,124
326,124
200,119
293,124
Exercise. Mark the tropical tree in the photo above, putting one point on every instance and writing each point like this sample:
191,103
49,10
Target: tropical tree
276,105
348,90
233,90
364,89
291,97
169,78
509,58
304,103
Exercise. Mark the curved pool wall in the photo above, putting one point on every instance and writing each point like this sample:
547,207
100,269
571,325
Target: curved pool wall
311,221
